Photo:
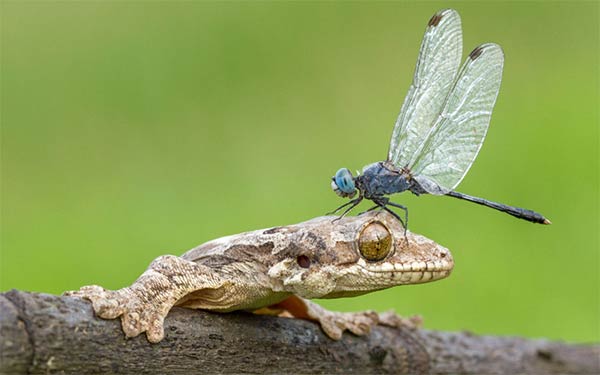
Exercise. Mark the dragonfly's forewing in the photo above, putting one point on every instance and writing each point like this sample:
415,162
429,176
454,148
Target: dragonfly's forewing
448,152
437,65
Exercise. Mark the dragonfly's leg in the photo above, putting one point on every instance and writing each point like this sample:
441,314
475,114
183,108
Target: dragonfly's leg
398,217
403,208
383,202
354,203
382,205
371,209
340,207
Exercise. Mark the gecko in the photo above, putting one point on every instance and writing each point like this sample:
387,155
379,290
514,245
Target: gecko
277,271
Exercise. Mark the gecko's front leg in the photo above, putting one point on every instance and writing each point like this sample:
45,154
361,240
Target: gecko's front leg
144,305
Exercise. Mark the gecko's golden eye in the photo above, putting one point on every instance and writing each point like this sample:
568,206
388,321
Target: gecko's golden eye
375,241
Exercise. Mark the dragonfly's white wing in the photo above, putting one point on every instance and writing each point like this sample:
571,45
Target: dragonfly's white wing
447,153
437,65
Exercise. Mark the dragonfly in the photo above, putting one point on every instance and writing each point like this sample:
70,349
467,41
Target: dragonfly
441,126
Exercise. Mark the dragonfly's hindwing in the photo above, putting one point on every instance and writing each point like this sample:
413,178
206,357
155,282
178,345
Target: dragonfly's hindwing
447,153
437,65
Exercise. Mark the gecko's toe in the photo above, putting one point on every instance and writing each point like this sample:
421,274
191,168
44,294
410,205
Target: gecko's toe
359,329
391,319
108,308
360,323
416,321
332,330
132,324
136,322
106,303
334,324
86,292
156,332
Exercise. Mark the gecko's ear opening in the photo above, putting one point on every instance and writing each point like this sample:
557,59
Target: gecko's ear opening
343,183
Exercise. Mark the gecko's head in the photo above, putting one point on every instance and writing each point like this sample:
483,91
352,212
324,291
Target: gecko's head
324,258
343,183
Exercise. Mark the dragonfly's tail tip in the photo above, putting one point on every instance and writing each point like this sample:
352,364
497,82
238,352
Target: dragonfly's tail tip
546,222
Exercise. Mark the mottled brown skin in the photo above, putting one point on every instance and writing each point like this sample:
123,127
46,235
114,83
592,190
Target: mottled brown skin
275,271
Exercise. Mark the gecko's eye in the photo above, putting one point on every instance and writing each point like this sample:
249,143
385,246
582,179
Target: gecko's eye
374,242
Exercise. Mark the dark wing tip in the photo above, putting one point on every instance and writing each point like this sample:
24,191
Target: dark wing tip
476,53
435,20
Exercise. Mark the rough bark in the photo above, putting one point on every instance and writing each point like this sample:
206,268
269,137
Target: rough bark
41,333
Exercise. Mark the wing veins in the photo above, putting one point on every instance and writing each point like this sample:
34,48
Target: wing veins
465,115
435,71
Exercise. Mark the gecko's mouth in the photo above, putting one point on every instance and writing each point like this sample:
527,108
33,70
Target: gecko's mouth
366,277
407,273
386,267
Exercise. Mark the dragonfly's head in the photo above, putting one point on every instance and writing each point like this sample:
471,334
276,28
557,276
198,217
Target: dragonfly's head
343,183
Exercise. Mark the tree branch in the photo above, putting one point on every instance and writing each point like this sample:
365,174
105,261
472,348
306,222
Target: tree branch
42,333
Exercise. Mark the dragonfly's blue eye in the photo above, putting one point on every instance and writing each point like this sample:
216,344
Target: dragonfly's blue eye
344,181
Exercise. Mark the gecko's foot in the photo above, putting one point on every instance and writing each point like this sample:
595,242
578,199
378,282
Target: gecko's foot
391,319
106,303
360,323
335,323
136,316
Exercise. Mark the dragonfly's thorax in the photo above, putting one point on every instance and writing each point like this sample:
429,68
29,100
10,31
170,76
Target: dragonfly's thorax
379,179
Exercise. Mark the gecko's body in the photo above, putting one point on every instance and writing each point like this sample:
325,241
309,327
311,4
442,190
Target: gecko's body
278,269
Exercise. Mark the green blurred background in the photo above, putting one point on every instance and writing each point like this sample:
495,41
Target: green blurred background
131,130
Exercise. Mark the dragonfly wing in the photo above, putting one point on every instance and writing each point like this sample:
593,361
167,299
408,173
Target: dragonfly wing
437,65
447,153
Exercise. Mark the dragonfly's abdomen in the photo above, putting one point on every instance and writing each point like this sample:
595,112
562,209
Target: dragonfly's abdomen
376,181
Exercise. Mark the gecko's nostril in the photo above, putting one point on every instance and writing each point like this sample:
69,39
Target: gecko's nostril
303,261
